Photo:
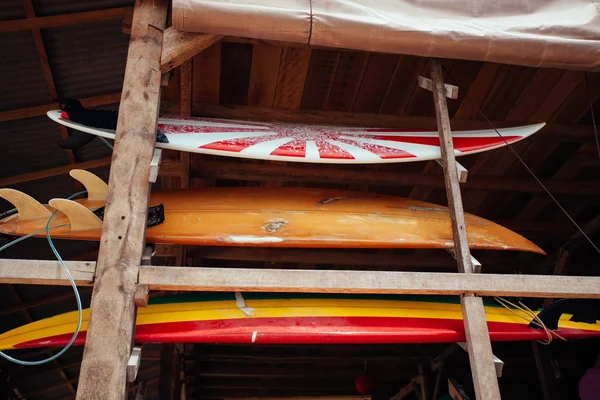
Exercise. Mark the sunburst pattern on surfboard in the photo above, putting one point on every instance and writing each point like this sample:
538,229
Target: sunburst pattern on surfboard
314,143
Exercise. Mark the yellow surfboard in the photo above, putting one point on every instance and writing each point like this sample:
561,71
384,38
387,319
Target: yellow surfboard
273,217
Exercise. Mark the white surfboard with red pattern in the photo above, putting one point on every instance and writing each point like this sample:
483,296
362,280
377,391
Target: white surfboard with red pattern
313,143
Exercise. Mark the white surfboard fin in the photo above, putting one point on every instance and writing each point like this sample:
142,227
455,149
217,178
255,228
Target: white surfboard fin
81,218
27,206
97,189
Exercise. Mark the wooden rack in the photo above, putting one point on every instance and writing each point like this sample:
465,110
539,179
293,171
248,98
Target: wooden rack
121,280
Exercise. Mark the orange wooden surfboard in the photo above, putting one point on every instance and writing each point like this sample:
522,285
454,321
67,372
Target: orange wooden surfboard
272,217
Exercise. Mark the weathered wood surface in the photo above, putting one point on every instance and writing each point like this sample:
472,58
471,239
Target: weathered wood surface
476,331
46,272
113,311
179,47
455,206
382,282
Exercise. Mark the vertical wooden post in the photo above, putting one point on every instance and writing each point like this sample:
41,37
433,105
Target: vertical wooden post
112,317
478,340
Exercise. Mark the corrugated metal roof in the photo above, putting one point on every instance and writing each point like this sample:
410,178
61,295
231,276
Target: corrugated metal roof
88,59
21,77
30,145
11,9
56,7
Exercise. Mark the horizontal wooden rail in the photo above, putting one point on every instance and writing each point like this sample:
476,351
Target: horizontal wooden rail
47,272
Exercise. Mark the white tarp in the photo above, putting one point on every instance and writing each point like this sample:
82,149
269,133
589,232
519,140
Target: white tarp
547,33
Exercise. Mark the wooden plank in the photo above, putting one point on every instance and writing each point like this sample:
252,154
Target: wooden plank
63,20
375,82
321,71
46,70
543,363
35,111
562,90
42,272
346,82
235,72
462,74
402,83
368,282
179,47
478,92
507,90
450,91
578,104
542,83
47,173
476,331
320,173
113,312
46,272
263,74
479,348
292,76
207,75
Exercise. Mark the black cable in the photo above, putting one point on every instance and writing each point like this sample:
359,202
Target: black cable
527,167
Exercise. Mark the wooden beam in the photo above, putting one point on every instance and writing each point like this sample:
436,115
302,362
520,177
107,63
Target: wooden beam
250,171
566,133
47,173
375,282
179,47
62,20
43,272
35,111
455,207
46,272
543,363
113,312
46,70
476,331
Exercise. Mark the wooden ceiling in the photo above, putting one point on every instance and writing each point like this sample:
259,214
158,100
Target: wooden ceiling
261,80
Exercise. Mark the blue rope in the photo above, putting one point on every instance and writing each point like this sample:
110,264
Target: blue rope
77,297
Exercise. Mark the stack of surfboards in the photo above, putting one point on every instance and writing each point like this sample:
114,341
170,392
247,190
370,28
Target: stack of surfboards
286,217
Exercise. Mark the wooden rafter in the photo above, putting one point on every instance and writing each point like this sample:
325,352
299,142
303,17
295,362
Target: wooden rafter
62,20
50,172
35,111
46,70
328,173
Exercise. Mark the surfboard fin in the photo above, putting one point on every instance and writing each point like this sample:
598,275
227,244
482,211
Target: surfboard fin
97,189
27,206
80,217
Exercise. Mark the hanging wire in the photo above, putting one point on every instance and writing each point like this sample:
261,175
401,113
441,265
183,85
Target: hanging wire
110,146
526,166
587,88
71,280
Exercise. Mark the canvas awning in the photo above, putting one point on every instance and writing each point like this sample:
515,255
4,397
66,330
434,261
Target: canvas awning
547,33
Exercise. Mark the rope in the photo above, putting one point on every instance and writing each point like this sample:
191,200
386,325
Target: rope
533,318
